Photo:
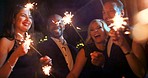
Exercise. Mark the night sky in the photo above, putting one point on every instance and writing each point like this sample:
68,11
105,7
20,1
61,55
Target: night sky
84,11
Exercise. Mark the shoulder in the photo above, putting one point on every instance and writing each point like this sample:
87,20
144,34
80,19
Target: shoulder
6,41
6,44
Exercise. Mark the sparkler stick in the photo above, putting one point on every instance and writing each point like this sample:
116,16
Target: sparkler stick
77,33
36,50
67,20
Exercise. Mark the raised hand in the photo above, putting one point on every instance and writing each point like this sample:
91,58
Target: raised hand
21,50
97,58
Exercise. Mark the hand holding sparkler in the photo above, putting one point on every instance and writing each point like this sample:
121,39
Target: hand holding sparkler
117,30
118,37
46,61
97,58
47,65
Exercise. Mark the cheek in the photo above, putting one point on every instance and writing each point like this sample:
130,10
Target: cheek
91,34
31,21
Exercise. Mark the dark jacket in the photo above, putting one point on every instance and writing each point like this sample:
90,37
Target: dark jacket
59,68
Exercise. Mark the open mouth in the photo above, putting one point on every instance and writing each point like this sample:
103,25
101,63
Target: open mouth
97,36
26,23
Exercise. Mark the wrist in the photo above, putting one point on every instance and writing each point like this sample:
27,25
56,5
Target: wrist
11,66
127,52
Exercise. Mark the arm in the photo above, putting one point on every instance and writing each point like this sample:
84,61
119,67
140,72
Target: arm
78,66
137,60
5,46
135,56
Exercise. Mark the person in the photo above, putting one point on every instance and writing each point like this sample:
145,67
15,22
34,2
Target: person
56,47
120,61
16,60
95,45
138,54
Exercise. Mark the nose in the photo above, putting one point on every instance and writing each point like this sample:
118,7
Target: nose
96,30
28,18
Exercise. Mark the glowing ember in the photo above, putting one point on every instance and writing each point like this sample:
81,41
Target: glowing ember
78,28
118,22
127,32
46,69
29,5
27,40
67,18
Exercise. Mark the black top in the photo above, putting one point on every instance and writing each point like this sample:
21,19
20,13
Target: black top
90,70
27,66
115,66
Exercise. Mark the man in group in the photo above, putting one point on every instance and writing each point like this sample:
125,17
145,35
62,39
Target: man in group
57,48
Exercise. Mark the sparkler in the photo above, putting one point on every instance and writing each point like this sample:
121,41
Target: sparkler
67,20
30,5
118,22
28,41
47,69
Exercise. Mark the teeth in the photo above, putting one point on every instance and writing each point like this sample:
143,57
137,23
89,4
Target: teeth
26,24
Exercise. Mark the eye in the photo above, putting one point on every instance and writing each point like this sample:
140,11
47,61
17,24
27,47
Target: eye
30,17
95,29
23,15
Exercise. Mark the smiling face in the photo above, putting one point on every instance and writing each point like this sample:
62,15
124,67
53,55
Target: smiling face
97,32
23,20
56,30
110,9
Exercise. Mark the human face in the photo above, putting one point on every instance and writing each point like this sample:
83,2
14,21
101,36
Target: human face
110,9
23,20
55,29
97,32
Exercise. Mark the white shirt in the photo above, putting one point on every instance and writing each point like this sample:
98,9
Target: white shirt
62,44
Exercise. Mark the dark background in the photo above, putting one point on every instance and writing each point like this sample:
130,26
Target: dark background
84,12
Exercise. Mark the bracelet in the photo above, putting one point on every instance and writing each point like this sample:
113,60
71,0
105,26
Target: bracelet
127,53
11,66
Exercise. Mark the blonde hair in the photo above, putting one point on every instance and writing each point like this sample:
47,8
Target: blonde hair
102,24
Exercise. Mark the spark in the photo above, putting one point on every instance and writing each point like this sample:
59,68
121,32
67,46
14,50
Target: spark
28,41
67,18
78,28
30,5
46,69
118,22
